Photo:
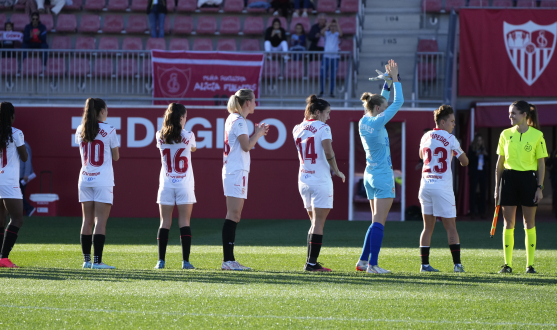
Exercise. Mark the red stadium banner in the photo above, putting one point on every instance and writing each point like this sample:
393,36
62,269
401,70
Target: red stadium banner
180,74
508,52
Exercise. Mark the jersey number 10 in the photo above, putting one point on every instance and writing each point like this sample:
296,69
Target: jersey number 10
180,162
93,152
310,150
441,154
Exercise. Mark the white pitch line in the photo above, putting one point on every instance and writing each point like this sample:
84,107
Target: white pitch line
312,318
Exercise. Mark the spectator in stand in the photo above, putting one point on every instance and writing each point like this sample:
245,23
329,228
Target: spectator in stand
34,36
477,174
7,44
156,11
25,171
307,5
282,5
317,43
275,38
298,39
30,6
209,3
332,34
58,5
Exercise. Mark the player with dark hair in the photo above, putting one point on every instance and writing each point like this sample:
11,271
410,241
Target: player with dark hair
520,173
436,195
313,140
12,149
176,183
98,146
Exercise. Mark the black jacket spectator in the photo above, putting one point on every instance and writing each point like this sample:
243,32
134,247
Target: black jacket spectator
275,40
28,34
161,6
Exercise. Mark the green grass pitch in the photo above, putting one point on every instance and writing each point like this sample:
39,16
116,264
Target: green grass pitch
51,291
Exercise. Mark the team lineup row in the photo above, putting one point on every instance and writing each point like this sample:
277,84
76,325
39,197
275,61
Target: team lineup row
99,147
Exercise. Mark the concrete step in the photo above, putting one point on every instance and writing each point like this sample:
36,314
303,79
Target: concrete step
391,22
390,44
393,4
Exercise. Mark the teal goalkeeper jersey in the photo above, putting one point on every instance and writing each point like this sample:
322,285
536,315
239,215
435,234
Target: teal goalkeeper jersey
374,134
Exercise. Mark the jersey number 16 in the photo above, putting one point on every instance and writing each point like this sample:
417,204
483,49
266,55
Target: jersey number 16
180,162
310,150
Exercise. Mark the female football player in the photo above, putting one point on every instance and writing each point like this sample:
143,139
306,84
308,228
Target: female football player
378,178
176,185
11,200
236,160
98,146
313,140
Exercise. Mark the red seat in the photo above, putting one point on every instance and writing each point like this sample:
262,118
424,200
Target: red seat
206,25
2,20
79,67
202,44
342,70
109,43
119,5
502,3
548,4
347,45
326,6
167,25
156,43
349,6
8,66
32,66
233,6
59,42
179,44
186,6
453,4
432,6
251,45
85,43
255,10
170,6
253,25
89,24
283,23
305,23
76,5
526,3
226,45
426,71
478,3
428,45
294,70
113,24
271,69
66,23
20,21
55,67
183,25
314,69
141,5
348,25
103,67
230,25
94,5
137,24
132,43
127,67
47,20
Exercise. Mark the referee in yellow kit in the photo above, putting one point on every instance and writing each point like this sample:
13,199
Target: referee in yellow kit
520,172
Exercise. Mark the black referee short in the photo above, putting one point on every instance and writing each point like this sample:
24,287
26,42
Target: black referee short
518,188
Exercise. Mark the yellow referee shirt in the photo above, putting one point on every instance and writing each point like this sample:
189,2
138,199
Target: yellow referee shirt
522,150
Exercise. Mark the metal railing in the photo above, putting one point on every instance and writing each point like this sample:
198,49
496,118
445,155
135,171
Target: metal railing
55,75
429,76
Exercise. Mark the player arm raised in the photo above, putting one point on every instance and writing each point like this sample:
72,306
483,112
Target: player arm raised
499,168
115,154
22,151
330,154
248,143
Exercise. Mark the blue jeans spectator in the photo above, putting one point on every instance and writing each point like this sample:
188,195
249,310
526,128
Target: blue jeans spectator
328,66
36,45
307,4
155,16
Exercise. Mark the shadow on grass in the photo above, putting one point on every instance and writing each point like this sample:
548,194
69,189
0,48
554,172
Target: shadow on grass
269,277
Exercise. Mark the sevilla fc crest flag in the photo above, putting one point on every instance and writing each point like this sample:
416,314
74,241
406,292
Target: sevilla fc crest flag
508,53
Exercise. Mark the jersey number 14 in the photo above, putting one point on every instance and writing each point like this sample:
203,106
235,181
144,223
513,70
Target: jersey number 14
310,150
180,162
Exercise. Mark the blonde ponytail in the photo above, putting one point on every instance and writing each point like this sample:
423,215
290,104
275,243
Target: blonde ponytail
236,101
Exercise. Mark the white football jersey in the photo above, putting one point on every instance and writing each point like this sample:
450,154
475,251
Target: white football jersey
177,170
96,157
234,158
438,148
314,168
9,160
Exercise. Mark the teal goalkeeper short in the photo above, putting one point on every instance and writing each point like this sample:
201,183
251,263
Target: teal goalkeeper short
379,185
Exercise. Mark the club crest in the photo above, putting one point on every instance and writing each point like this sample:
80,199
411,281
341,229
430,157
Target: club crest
530,48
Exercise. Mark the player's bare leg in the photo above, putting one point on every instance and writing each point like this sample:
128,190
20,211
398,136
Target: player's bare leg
529,213
234,208
381,209
318,216
454,243
425,242
102,211
15,208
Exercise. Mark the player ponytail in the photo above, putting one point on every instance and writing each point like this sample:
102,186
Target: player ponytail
442,113
171,130
372,100
315,104
532,117
237,101
89,122
7,112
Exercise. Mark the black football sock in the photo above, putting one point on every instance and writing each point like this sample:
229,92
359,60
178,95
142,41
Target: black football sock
162,239
424,253
185,238
10,236
98,245
455,251
86,241
315,242
228,237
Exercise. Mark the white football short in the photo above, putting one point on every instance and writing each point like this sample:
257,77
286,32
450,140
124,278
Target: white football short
178,196
438,202
96,194
236,184
317,196
10,192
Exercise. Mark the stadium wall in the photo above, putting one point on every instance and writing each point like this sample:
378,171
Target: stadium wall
273,191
